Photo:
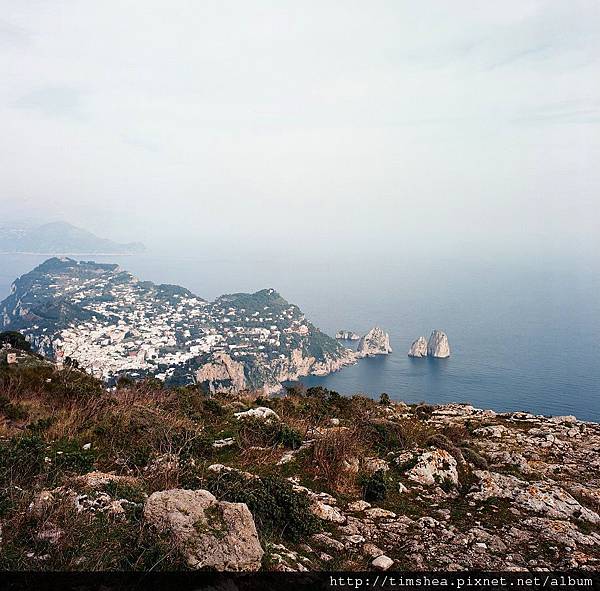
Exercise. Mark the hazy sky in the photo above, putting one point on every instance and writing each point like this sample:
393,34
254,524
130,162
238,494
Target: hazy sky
398,126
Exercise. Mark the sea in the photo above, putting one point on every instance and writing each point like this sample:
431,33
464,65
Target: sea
524,336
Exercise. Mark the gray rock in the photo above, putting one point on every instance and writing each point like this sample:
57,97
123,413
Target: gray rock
418,348
379,513
438,345
375,342
434,467
260,412
207,532
543,497
382,562
358,506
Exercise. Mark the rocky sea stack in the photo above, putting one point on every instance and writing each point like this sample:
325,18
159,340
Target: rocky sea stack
375,342
438,345
347,335
418,348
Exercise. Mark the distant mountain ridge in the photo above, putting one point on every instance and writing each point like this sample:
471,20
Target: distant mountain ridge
61,238
113,324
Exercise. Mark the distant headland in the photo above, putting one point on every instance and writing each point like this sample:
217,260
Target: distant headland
60,238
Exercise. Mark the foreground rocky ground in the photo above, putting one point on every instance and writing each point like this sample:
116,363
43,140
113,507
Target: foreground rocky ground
145,478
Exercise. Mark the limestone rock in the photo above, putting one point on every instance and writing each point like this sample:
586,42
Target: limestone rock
95,480
208,533
371,550
372,465
346,335
379,513
219,443
222,374
418,348
543,497
434,467
438,345
375,342
327,512
382,562
327,541
358,506
261,412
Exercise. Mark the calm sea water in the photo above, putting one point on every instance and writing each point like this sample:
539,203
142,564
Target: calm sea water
523,337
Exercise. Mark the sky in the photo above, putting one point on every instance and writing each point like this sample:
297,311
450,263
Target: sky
388,127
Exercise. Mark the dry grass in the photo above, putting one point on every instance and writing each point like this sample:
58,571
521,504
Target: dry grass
332,453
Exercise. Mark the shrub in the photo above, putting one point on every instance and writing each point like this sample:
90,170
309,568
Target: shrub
15,339
21,459
254,431
446,484
440,441
278,510
40,425
68,456
213,407
91,542
474,458
383,436
414,432
424,411
71,384
329,453
123,490
12,411
384,399
374,487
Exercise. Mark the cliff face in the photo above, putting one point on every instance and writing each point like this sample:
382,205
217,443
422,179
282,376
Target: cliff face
418,348
375,342
438,345
222,374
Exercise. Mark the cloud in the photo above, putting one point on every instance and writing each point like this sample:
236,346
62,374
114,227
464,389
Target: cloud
401,122
12,36
54,101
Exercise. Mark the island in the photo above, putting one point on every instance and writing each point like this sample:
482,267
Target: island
113,324
347,335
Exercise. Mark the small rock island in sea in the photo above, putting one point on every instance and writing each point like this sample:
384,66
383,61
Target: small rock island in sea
347,335
375,342
437,346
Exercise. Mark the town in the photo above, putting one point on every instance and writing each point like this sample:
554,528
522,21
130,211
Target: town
112,324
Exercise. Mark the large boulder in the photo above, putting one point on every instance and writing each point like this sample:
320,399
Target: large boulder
375,342
208,533
438,345
418,348
260,412
541,497
434,467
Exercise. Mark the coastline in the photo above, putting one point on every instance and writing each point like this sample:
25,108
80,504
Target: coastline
70,254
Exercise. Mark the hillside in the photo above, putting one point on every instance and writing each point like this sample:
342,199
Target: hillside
114,324
145,477
60,238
